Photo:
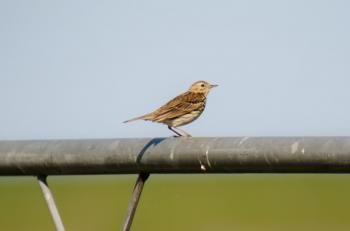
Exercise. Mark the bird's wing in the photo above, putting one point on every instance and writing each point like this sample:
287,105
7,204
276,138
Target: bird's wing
180,105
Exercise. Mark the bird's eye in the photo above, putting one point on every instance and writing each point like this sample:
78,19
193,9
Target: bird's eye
202,85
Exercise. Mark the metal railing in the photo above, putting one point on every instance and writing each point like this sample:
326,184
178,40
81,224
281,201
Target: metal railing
170,155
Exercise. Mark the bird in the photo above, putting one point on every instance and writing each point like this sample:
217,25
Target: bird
181,110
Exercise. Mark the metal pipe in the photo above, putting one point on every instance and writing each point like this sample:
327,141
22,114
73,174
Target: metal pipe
50,203
176,155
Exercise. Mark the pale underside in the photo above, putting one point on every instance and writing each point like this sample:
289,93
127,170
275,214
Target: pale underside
184,119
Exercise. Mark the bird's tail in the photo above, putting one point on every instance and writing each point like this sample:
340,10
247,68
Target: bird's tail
136,118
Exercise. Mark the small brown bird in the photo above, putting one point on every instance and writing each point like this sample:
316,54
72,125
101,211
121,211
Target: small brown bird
181,110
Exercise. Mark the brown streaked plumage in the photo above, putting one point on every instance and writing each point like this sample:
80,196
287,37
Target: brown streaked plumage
181,110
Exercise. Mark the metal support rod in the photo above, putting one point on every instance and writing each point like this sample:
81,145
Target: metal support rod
50,202
136,194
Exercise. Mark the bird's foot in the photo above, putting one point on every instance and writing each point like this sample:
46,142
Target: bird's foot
182,135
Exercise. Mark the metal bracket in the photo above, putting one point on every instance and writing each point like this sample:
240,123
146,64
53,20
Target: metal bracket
50,202
136,194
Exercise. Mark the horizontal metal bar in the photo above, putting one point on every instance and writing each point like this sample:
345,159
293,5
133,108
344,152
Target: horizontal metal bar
176,155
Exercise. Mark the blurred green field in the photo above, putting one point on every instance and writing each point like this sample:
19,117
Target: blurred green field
245,202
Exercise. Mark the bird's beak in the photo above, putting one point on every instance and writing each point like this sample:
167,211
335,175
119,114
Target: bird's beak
213,85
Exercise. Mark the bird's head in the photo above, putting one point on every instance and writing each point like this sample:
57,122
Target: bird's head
202,87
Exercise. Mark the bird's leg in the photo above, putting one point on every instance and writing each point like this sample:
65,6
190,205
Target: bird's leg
183,132
172,129
179,131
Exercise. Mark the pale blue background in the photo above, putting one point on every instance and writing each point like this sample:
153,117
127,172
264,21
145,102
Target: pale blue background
77,69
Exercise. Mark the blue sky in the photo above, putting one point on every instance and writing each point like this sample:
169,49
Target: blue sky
77,69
